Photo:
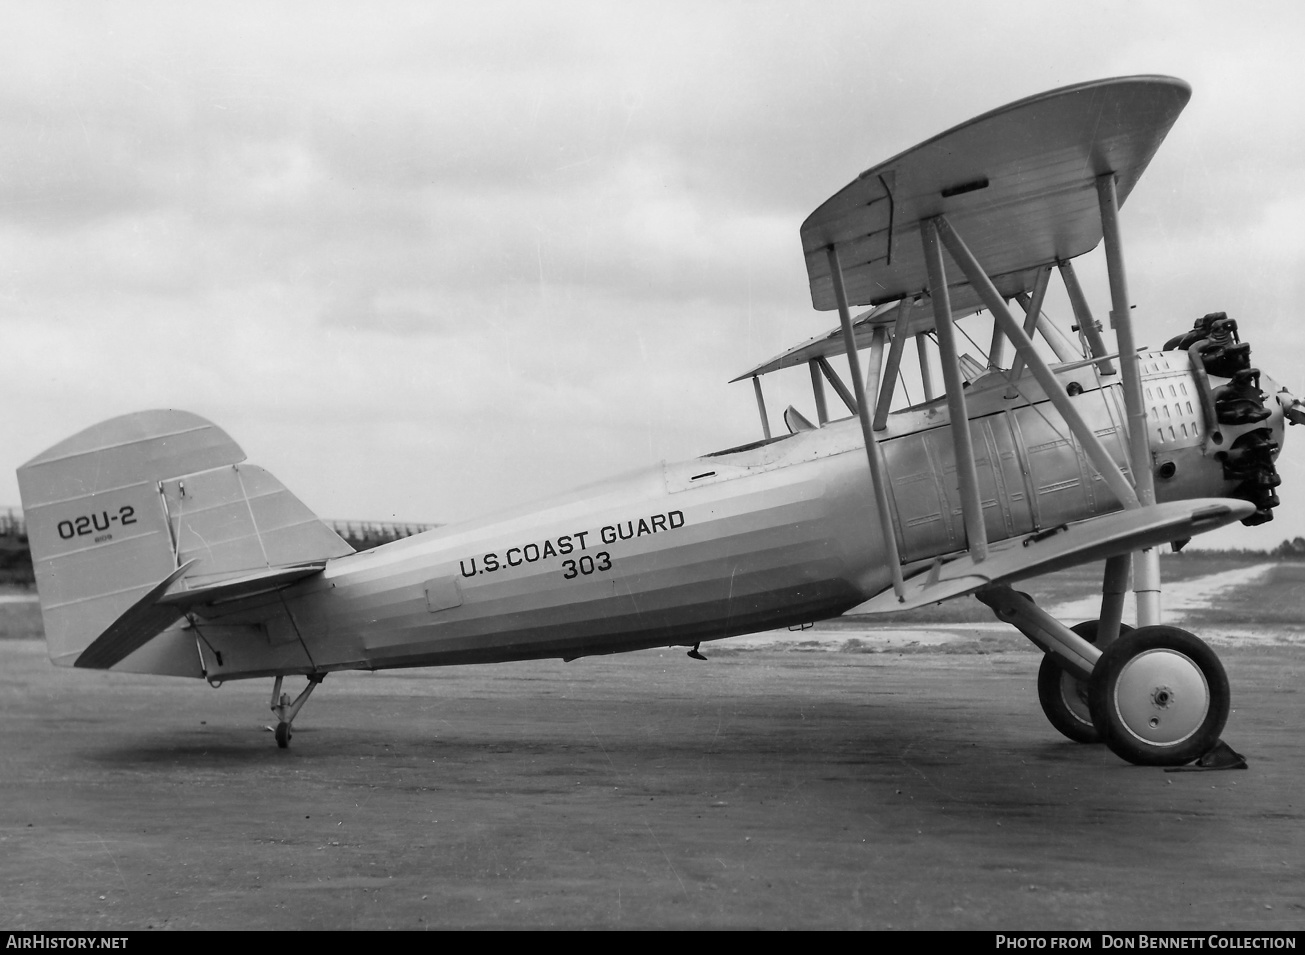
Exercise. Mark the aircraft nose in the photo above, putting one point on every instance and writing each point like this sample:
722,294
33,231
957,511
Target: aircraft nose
1293,408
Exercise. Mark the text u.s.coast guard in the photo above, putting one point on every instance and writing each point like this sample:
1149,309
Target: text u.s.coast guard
578,543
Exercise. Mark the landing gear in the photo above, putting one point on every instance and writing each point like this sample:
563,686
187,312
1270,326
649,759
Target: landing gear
1064,697
285,711
1159,697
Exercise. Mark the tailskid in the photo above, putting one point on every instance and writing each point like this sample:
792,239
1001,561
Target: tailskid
285,711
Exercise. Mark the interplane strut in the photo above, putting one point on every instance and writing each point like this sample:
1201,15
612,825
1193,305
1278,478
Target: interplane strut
966,472
878,472
1146,566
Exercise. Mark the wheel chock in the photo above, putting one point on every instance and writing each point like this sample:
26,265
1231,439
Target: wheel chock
1219,756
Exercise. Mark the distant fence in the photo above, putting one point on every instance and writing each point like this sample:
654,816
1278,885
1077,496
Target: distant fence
12,524
362,535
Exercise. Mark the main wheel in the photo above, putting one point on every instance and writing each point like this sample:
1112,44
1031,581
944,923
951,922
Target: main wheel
1159,697
283,735
1064,697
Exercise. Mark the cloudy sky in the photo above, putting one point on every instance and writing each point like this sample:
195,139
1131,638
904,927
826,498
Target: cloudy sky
423,260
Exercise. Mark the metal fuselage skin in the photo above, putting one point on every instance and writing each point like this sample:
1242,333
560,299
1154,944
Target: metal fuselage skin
769,535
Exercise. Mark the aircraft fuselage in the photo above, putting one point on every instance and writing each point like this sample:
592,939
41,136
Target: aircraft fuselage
764,536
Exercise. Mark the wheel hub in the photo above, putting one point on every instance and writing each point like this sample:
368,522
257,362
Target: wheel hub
1162,697
1075,695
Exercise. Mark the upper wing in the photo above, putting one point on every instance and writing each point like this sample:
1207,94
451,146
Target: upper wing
1018,182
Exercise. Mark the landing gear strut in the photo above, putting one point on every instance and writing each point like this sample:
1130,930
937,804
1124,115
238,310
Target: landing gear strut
1064,697
285,711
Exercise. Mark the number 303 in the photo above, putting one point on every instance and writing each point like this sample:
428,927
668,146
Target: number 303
587,565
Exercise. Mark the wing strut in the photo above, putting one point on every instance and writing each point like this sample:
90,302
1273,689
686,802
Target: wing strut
1146,565
1032,311
926,371
874,376
1092,446
839,387
1048,329
997,349
966,474
1088,326
873,452
761,406
818,389
889,383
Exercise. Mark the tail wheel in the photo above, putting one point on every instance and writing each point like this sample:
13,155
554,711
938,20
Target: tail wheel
1064,697
1159,697
283,735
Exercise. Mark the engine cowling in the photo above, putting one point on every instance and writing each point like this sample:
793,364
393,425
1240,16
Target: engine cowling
1243,413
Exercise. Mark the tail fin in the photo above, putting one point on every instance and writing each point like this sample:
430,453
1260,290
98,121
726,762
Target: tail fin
115,511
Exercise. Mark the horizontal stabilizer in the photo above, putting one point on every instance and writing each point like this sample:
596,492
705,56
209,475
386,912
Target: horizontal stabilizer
158,610
240,520
247,586
142,622
1078,543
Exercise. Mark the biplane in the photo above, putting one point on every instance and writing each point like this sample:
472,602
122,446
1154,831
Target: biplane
158,550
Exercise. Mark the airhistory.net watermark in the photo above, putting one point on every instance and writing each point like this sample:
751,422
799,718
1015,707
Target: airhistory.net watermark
43,940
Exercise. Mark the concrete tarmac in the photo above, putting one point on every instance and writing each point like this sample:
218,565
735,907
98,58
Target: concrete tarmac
762,789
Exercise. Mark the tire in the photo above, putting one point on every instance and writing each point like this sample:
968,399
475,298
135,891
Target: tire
1064,697
283,735
1159,697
